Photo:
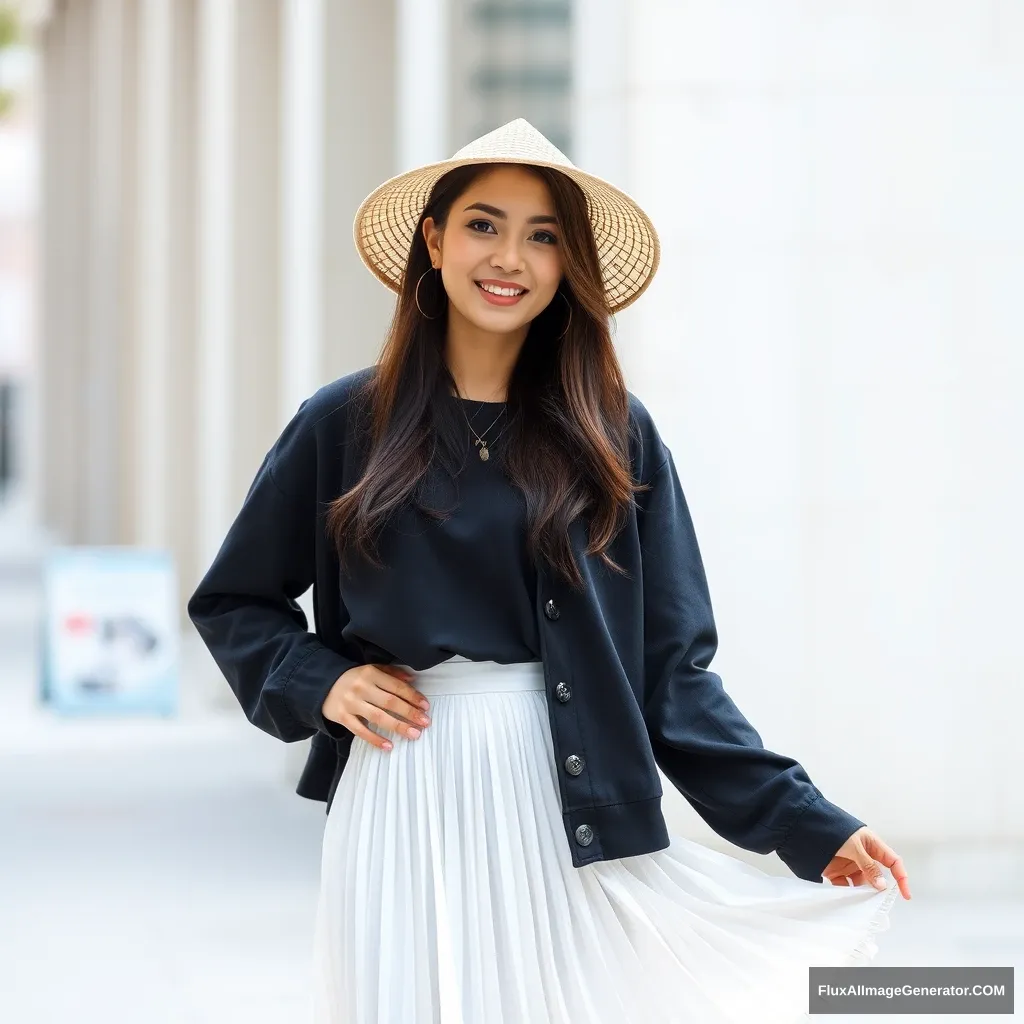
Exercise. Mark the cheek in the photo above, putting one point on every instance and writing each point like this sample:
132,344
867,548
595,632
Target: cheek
547,272
459,266
455,266
459,250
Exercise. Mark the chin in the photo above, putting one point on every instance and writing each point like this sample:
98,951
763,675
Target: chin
496,323
502,326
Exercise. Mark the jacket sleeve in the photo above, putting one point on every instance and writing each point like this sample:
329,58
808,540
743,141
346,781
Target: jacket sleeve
245,607
756,799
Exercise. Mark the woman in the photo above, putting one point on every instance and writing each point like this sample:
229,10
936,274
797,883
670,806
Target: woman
513,634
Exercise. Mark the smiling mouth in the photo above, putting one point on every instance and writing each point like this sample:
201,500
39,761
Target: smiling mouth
501,300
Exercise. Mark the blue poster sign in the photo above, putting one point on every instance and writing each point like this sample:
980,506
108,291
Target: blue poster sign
111,630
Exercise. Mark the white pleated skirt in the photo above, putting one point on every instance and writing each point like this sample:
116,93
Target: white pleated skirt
448,893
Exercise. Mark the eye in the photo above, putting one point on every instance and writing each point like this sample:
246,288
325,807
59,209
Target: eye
474,222
554,241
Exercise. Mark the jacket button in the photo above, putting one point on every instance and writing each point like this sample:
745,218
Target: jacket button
574,764
584,835
551,609
562,692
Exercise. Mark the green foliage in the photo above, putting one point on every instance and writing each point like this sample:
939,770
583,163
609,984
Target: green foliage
9,28
10,35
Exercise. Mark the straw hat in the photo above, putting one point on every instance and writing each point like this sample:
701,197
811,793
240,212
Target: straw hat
627,243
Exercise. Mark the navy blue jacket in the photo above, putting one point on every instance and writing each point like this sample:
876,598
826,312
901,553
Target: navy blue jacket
633,654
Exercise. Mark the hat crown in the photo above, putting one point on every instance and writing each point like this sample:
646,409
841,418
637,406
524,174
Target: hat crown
516,140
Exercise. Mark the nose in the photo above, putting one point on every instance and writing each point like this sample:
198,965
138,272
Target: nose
507,257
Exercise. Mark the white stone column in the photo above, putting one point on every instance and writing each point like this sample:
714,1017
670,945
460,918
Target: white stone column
256,289
63,317
421,68
215,270
54,89
152,438
103,269
302,201
360,151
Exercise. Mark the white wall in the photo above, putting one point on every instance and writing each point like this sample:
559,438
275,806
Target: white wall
832,348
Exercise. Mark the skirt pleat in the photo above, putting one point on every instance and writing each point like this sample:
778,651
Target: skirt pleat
448,893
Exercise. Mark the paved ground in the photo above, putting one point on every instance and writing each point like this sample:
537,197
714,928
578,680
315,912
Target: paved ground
163,872
166,879
151,871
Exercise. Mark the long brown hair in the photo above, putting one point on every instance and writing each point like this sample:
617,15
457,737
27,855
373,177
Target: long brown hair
567,436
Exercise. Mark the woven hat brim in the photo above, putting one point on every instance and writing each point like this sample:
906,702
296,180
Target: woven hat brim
627,243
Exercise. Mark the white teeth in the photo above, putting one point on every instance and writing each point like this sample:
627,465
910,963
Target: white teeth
502,291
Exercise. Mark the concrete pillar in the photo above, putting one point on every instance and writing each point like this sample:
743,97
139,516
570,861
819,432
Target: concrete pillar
422,71
67,102
360,152
256,236
103,267
302,201
152,436
51,91
216,28
182,287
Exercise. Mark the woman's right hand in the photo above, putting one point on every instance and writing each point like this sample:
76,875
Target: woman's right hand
381,694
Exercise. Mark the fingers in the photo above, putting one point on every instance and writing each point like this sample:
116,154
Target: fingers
397,682
869,871
385,698
888,856
841,874
857,863
390,722
357,726
398,708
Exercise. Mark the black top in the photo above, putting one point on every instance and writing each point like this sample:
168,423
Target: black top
626,659
462,586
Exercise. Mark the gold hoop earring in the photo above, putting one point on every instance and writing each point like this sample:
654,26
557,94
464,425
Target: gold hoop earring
417,293
566,301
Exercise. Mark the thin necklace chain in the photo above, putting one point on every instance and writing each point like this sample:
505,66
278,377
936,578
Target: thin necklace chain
477,413
480,442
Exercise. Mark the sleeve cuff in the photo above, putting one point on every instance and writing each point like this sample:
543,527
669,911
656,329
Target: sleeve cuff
309,684
815,837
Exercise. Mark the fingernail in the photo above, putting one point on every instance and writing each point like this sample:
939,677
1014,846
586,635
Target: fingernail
387,746
414,733
880,883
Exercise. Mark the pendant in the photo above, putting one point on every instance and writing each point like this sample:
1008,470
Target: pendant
484,453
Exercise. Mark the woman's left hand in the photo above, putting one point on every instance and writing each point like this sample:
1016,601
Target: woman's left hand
857,862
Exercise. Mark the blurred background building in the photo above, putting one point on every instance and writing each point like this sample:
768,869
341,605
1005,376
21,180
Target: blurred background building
832,346
203,163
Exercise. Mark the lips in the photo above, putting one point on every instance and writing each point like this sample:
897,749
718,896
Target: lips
500,300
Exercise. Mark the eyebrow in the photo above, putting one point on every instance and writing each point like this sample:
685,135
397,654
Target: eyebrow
495,212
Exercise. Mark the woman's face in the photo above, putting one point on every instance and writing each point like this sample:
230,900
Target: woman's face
501,235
